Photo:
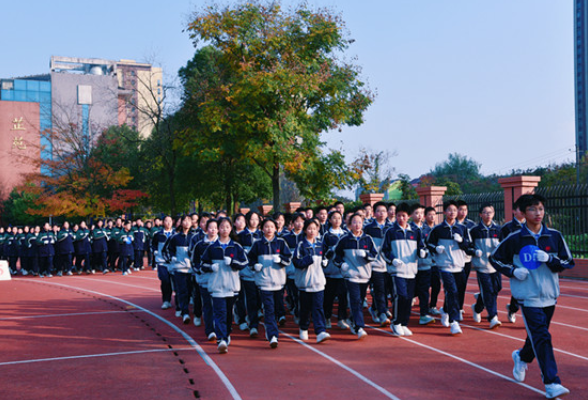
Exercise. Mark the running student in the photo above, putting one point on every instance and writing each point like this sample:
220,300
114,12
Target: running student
485,238
402,247
536,289
449,241
223,259
268,258
462,218
512,226
423,277
310,280
292,239
161,236
354,254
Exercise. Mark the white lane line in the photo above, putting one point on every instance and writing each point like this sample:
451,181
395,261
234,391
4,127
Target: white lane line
187,337
557,323
121,353
66,315
345,367
120,283
559,305
470,363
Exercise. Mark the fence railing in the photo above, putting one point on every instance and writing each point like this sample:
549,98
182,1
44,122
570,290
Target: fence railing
475,201
567,211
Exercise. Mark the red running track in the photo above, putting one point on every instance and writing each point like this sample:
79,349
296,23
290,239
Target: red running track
105,337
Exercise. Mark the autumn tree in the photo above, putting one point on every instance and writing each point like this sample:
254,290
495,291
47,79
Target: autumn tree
279,81
371,171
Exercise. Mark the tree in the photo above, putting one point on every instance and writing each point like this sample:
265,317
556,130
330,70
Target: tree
371,171
277,84
408,191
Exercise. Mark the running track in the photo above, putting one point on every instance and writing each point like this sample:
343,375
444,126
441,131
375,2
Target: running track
105,337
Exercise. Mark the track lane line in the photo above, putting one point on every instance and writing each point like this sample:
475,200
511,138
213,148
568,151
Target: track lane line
65,315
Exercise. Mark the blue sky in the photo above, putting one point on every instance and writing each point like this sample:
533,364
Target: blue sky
492,80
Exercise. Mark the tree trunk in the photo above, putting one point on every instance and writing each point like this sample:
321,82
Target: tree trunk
276,186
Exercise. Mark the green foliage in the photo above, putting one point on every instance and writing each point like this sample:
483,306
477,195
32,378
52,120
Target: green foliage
408,191
15,209
370,171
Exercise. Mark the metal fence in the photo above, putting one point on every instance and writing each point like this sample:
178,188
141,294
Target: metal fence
475,201
567,211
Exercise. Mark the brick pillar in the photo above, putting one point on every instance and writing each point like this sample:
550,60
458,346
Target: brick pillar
514,187
371,198
292,206
430,196
244,210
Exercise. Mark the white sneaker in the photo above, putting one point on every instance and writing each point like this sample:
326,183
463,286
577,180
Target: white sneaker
223,347
413,302
178,314
166,305
434,311
460,317
197,321
303,334
274,342
243,326
512,317
407,332
69,273
384,321
125,273
477,316
495,323
554,390
444,318
455,328
59,273
186,319
25,273
375,317
342,324
361,333
520,367
426,320
323,336
212,337
397,330
93,271
253,333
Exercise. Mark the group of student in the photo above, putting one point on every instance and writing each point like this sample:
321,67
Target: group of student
107,246
248,267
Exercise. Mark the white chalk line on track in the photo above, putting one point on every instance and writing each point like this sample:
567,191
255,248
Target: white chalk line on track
66,315
121,353
343,366
463,360
121,284
559,305
187,337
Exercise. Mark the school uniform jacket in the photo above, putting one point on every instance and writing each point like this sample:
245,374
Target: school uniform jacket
272,276
81,241
45,242
157,244
99,239
541,287
292,239
197,252
330,241
486,239
225,282
176,253
64,243
125,242
378,233
510,227
424,264
347,251
453,259
402,244
307,259
246,238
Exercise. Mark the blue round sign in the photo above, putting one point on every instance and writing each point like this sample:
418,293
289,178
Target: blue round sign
528,257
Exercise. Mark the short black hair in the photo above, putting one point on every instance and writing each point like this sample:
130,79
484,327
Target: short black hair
268,219
403,207
461,203
310,221
449,203
484,205
429,209
415,207
380,204
529,200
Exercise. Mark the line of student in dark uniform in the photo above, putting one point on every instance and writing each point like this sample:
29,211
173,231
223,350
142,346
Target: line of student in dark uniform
58,250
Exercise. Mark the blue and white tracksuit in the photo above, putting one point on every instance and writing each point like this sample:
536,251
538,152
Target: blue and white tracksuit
507,229
157,243
310,281
538,293
379,270
127,252
467,268
349,251
46,251
202,281
424,273
335,286
249,299
402,245
223,284
486,239
176,253
271,279
450,262
292,238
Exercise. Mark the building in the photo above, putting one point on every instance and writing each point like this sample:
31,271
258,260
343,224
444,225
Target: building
83,95
580,54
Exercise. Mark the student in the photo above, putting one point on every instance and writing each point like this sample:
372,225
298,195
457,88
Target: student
82,248
99,239
335,286
157,243
281,221
223,259
391,212
249,301
294,237
125,242
462,218
377,229
268,257
401,249
177,256
423,277
139,243
354,254
536,290
203,278
322,216
485,238
310,281
449,242
512,226
45,250
64,250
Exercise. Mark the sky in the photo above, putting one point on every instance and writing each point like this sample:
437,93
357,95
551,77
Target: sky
491,80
